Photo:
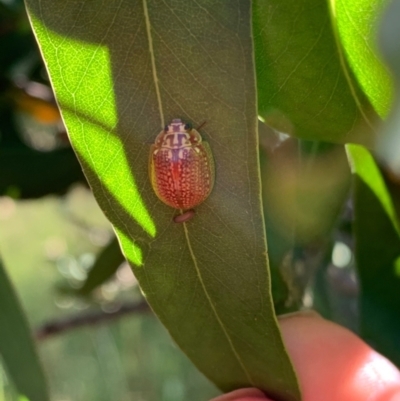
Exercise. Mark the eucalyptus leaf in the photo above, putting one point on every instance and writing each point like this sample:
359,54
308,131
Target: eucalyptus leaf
17,349
305,87
377,252
121,71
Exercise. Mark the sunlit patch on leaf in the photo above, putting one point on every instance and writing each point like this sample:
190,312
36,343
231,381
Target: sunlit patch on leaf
91,115
396,265
357,25
131,251
362,163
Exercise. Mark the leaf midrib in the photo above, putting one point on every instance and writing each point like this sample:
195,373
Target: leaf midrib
212,306
153,62
199,276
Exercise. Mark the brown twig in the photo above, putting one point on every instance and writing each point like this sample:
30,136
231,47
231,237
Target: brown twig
91,318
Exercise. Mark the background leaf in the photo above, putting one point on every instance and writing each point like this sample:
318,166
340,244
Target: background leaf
357,22
305,88
377,253
120,72
106,264
16,345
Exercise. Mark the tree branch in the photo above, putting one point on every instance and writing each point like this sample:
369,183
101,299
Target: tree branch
89,318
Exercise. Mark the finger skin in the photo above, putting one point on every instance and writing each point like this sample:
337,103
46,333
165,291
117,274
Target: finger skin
335,364
332,364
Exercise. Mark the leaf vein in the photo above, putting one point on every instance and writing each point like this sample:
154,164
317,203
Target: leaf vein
153,62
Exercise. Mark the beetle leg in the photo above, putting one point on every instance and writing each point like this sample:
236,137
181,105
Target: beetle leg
201,125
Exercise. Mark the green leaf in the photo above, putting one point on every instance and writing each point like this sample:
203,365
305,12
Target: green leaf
304,86
17,348
357,22
120,72
106,264
377,253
